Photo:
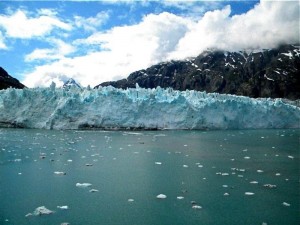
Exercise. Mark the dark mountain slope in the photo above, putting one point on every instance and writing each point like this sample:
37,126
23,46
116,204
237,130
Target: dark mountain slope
271,73
7,81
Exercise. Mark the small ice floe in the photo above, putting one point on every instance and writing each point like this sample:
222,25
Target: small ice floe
161,196
196,207
286,204
59,173
88,164
226,194
18,160
246,157
270,185
291,157
42,210
158,163
185,166
130,200
19,173
253,182
93,190
264,223
69,160
277,174
28,214
259,171
225,186
249,193
83,185
180,197
65,223
225,174
64,207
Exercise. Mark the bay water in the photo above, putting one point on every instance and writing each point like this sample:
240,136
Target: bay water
235,177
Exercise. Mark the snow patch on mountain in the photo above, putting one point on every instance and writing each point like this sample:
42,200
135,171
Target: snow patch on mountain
108,107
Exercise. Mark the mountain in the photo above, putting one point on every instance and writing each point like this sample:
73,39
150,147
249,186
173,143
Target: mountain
7,81
71,83
271,73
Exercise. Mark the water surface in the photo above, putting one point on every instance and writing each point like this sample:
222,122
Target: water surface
200,166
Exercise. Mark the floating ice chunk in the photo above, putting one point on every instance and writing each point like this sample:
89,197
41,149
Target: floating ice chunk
60,173
253,182
158,163
291,157
83,185
93,190
270,185
259,171
69,160
42,210
130,200
180,197
63,207
277,174
226,194
161,196
225,174
225,185
246,157
28,214
185,166
286,204
196,207
249,193
65,223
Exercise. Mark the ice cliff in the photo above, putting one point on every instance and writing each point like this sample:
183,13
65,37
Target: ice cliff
107,107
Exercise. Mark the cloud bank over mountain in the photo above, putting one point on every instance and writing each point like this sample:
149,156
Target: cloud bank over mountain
100,54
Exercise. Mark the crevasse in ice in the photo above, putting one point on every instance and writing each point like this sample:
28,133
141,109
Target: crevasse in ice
107,107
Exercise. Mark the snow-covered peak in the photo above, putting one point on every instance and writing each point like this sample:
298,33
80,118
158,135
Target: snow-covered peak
71,83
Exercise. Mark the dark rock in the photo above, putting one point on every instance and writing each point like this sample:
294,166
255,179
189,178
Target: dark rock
7,81
271,73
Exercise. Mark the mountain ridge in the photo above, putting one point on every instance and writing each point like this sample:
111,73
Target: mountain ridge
267,73
7,81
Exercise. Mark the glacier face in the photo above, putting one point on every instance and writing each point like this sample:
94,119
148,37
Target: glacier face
107,107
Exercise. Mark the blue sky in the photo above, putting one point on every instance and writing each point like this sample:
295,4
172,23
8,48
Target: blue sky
97,41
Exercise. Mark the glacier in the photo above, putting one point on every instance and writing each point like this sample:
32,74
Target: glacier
138,108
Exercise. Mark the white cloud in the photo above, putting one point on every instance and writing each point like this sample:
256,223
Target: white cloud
91,23
2,44
115,53
127,49
265,26
21,25
59,50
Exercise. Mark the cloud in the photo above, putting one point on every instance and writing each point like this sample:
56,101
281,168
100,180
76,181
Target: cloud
115,53
2,44
123,50
91,23
21,25
267,25
59,50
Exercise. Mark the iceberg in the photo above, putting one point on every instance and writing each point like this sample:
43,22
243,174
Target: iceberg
42,210
83,185
138,108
